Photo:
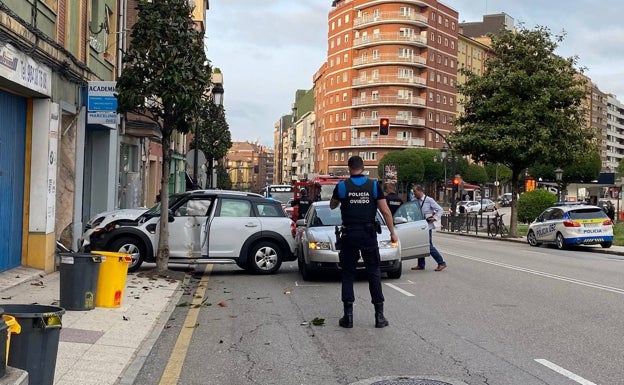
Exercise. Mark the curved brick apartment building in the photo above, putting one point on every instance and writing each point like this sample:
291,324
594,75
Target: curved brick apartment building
385,59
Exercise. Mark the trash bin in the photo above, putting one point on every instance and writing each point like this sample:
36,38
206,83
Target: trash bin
112,279
13,327
79,276
35,348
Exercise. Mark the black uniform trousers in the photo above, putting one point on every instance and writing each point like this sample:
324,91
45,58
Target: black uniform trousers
356,242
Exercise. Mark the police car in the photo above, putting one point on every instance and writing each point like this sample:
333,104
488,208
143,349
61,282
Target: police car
571,225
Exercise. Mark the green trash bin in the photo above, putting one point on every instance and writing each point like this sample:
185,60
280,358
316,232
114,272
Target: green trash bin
35,348
78,281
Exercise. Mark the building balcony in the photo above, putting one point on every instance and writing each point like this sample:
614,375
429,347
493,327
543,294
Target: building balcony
371,3
390,17
389,80
389,38
388,100
388,142
417,61
359,122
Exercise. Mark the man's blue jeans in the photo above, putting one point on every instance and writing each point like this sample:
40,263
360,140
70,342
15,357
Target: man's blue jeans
433,252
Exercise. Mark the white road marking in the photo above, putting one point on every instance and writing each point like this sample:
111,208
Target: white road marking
564,372
305,285
598,286
407,293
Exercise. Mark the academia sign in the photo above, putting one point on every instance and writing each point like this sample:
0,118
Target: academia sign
102,103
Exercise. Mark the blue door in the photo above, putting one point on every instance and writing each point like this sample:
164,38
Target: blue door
12,150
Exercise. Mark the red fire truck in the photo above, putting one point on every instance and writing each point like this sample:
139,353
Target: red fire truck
319,188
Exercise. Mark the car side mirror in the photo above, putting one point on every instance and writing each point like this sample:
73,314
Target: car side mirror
300,222
171,217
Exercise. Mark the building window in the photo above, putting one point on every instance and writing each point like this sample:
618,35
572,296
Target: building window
375,54
344,97
345,58
375,95
344,116
339,22
346,38
453,26
346,19
342,156
452,44
336,156
338,41
431,96
344,134
431,116
333,25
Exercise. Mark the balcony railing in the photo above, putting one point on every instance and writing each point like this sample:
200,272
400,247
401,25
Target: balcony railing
412,59
387,142
381,100
388,17
389,38
389,79
397,119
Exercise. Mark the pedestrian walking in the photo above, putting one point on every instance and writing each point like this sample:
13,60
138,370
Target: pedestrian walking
433,213
392,198
359,198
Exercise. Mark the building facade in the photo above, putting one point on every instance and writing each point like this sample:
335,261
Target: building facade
615,133
246,163
386,59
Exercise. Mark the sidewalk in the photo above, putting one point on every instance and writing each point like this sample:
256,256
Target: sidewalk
104,345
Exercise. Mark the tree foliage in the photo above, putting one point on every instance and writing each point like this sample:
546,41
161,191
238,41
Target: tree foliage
214,136
408,163
532,203
164,79
525,108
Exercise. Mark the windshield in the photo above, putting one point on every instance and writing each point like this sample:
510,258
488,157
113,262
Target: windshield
155,210
282,197
326,191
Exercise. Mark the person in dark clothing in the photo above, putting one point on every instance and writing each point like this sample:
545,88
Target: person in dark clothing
359,198
302,203
392,198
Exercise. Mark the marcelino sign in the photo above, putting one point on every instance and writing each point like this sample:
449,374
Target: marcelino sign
102,103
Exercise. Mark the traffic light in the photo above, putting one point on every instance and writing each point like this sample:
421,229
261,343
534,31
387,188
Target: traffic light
384,126
456,181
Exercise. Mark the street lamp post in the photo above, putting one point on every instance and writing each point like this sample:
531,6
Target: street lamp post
443,153
558,178
217,99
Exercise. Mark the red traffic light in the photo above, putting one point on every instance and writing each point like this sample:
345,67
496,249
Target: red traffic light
384,126
456,181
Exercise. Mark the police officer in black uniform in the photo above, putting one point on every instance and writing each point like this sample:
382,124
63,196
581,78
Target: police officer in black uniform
393,199
303,203
358,206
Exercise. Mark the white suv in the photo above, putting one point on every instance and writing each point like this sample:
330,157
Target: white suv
206,226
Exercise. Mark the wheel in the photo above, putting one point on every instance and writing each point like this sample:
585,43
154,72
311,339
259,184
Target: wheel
396,274
265,258
304,269
504,231
532,239
131,246
492,230
606,245
560,242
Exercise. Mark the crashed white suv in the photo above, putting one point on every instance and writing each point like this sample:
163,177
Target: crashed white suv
206,226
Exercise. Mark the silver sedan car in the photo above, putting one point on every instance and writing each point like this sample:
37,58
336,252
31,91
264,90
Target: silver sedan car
315,241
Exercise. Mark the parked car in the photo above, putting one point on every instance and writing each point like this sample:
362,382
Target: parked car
471,206
504,200
206,226
571,224
487,204
316,240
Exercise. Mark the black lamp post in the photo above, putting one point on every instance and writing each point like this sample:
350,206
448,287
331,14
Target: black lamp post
217,99
443,153
558,178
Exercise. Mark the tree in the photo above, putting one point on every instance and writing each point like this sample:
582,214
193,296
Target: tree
214,134
164,79
408,163
525,108
475,174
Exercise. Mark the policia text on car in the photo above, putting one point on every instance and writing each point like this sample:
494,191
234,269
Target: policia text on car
359,198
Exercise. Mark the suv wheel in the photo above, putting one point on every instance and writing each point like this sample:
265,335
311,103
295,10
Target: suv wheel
134,248
531,239
265,258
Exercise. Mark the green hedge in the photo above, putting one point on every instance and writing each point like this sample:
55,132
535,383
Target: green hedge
532,203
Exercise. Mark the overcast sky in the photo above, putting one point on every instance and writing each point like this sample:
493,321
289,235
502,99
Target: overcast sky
268,49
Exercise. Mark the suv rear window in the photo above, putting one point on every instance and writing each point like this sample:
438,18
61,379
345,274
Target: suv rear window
590,213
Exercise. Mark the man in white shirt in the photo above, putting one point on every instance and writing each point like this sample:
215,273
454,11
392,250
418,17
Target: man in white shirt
433,213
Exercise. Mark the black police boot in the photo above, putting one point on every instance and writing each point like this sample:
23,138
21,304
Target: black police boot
347,320
380,320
